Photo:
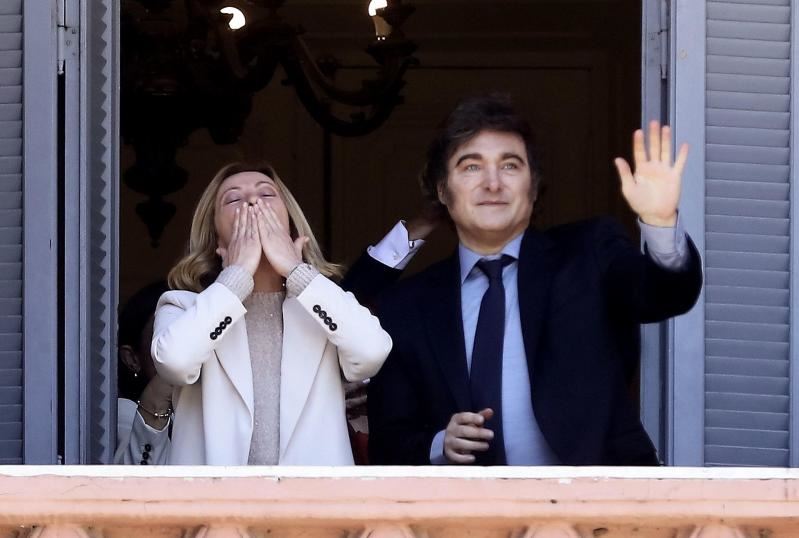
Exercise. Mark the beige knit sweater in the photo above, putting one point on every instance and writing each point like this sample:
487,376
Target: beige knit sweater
264,319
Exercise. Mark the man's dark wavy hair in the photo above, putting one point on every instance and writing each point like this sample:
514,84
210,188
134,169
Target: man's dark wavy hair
473,115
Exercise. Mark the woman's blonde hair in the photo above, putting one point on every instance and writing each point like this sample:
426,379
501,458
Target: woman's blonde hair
201,265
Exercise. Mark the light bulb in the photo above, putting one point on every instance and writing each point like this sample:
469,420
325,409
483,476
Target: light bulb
374,5
238,20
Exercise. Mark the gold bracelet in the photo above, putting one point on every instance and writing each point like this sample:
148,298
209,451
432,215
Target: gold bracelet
156,414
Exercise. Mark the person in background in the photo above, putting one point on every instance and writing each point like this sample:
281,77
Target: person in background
375,271
145,400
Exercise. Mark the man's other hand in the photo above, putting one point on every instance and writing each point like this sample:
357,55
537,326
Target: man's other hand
466,433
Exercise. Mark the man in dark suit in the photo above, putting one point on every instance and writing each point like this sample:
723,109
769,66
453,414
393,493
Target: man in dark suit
506,352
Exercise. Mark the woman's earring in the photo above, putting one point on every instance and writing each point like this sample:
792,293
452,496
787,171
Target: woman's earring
135,374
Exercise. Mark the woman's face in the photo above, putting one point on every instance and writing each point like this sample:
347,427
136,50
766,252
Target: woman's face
243,189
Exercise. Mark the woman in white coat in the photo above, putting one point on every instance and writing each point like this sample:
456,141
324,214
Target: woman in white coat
256,336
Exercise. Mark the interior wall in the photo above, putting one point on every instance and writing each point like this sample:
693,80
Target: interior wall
572,67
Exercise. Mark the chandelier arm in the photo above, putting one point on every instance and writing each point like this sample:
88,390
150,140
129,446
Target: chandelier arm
230,52
389,76
358,125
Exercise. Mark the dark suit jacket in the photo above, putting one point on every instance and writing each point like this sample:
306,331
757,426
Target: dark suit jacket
575,284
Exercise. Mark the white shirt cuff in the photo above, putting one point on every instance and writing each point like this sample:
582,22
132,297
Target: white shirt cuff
437,449
667,246
396,250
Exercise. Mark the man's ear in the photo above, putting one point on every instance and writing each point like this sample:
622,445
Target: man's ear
442,195
129,359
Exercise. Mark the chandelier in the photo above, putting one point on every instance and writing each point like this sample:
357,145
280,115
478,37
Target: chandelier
192,64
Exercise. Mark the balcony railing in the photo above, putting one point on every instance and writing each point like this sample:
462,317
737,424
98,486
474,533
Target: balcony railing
361,502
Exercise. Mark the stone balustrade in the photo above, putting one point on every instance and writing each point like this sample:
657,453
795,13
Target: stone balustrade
378,502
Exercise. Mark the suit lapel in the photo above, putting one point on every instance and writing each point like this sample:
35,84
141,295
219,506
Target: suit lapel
536,267
445,329
303,346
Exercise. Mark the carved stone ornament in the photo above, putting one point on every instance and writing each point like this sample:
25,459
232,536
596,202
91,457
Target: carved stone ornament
62,531
220,532
714,531
549,530
388,531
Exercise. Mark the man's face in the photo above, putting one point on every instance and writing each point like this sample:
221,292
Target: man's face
487,190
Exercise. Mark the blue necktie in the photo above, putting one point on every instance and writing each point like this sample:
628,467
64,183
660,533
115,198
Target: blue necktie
485,374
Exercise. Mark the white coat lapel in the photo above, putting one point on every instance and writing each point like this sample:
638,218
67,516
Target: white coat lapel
303,345
234,356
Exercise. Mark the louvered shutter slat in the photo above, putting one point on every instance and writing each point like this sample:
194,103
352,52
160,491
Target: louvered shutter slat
762,403
748,12
747,172
10,254
11,200
746,456
748,208
738,65
739,419
10,24
747,101
746,349
11,41
759,2
753,438
10,271
748,367
11,182
748,48
753,119
749,30
738,384
10,342
747,137
11,7
747,154
10,146
11,218
748,84
747,278
10,94
760,332
10,58
750,225
11,429
10,77
10,236
757,261
746,243
10,324
745,296
748,314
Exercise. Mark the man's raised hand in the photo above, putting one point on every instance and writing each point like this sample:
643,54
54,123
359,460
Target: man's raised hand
653,189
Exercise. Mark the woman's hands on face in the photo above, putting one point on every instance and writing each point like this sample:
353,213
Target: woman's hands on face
244,249
283,253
